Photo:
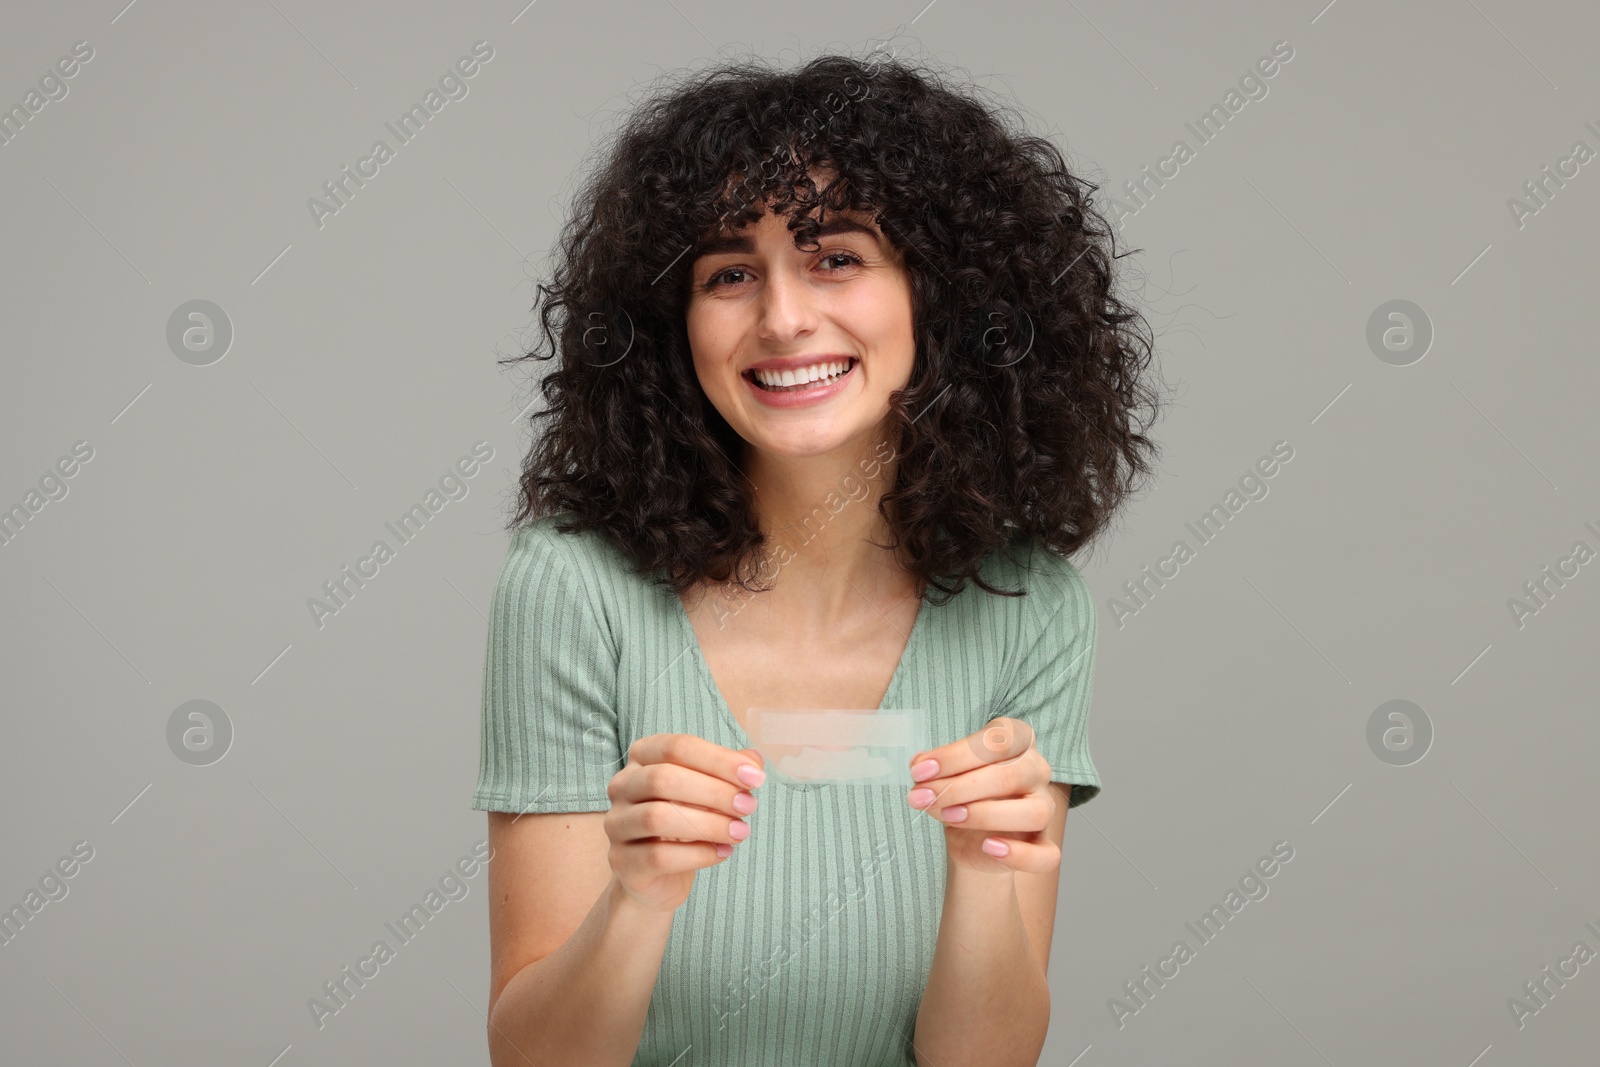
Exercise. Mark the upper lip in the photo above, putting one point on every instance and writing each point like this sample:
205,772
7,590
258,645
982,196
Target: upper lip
795,362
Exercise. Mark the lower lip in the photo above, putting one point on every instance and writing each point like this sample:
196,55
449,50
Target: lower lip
799,398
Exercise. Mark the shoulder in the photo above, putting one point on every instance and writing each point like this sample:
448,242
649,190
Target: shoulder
1057,597
1048,577
535,553
540,544
566,567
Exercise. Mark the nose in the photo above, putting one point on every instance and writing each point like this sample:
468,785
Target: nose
787,308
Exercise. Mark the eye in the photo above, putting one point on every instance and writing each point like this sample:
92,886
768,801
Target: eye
736,275
714,282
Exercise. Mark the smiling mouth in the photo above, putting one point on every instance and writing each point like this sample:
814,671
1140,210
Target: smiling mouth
798,387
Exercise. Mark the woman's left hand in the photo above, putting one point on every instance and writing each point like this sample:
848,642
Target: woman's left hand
991,792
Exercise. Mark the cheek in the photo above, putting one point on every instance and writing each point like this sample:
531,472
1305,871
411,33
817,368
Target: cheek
885,323
696,324
709,339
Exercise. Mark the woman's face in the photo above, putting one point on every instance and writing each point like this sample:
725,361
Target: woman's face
759,304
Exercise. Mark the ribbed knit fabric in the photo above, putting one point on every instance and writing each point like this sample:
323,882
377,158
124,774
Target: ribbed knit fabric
812,943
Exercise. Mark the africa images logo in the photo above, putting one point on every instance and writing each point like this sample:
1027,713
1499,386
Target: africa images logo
452,485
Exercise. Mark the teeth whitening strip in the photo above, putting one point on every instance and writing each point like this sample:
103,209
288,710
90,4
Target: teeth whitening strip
804,746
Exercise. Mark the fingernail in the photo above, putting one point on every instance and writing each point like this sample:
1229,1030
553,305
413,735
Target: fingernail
751,775
738,830
955,814
744,803
925,770
995,847
724,850
920,798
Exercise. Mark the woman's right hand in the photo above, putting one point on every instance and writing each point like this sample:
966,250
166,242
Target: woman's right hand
676,808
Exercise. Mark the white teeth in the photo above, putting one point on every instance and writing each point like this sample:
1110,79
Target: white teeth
805,375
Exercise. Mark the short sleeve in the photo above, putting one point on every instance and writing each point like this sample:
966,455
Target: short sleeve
1054,678
549,740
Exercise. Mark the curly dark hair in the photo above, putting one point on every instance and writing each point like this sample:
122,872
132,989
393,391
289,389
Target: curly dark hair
1020,416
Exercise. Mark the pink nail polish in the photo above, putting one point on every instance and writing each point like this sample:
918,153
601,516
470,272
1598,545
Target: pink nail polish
995,847
744,803
924,770
920,798
738,830
750,775
955,814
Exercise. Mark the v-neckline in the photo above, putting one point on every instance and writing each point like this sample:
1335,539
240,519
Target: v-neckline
686,627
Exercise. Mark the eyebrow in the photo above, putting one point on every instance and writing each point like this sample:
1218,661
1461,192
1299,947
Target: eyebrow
718,245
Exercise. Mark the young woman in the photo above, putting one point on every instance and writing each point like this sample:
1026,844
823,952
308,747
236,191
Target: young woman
841,380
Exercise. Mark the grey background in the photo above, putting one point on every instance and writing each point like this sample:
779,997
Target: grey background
1230,713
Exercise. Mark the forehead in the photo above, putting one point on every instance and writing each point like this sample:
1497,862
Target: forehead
742,240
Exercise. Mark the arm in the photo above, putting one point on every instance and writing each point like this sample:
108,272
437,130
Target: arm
581,904
987,1000
573,957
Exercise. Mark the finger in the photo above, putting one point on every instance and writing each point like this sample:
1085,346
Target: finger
667,820
675,782
1000,740
698,754
672,857
1025,815
1033,857
1014,778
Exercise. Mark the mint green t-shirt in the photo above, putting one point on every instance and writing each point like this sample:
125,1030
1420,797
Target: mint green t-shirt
812,943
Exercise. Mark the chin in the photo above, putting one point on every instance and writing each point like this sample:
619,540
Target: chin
802,442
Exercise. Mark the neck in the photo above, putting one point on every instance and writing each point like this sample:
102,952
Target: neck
820,514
